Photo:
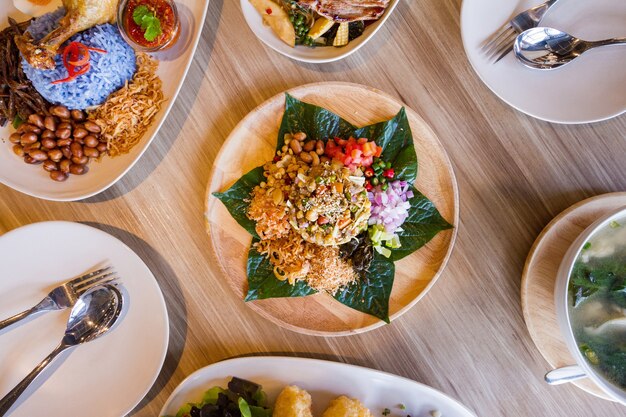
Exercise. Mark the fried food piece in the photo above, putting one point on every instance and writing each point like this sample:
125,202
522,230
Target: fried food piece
346,407
276,18
293,402
80,15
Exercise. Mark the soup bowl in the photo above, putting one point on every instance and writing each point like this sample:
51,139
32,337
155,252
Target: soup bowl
562,302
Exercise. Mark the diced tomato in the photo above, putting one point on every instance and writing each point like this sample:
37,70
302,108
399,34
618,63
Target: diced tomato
341,142
379,152
362,141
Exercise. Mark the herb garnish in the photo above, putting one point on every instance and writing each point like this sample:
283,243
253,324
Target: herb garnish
150,24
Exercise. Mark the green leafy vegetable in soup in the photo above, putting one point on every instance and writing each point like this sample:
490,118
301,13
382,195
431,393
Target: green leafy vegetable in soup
597,292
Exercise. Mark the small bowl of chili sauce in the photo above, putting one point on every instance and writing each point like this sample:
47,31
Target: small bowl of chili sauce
148,25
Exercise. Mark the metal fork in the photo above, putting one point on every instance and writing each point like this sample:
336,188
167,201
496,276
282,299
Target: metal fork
501,42
66,294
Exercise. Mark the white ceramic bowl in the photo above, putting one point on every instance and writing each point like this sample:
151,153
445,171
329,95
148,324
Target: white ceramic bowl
561,301
304,53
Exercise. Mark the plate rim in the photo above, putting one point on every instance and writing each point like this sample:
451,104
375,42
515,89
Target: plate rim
311,361
149,271
210,201
530,113
339,57
170,104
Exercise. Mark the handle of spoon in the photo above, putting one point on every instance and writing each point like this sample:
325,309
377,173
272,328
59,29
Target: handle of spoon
565,374
604,42
14,394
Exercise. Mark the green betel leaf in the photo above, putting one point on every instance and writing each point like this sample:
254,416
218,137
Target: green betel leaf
317,122
423,223
371,293
262,283
396,139
237,198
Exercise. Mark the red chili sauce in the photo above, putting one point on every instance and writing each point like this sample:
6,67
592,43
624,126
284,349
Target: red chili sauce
163,11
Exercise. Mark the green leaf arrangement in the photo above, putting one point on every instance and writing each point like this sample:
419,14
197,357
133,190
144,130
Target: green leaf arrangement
370,294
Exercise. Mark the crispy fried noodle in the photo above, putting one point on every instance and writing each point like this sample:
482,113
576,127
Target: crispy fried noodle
127,113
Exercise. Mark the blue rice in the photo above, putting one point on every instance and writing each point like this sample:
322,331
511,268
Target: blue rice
108,73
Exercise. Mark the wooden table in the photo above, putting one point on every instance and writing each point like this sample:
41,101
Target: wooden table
467,337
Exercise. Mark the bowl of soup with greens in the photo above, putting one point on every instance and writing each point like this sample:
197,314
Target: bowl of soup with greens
590,297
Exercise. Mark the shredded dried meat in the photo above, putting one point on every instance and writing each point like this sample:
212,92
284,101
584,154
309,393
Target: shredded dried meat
127,113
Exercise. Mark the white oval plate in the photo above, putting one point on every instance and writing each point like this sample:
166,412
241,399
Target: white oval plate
173,66
105,378
590,89
325,381
304,53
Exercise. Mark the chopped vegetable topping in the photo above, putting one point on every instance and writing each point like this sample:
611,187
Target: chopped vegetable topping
386,412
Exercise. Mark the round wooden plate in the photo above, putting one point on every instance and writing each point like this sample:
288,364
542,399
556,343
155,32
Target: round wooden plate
252,143
540,272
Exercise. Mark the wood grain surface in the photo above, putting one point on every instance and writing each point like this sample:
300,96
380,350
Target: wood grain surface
253,142
467,337
540,273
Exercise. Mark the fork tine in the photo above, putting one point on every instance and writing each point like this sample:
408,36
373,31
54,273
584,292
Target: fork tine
497,38
97,280
110,280
503,48
82,278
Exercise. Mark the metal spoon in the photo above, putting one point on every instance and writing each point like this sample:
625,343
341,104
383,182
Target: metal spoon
564,374
93,315
547,48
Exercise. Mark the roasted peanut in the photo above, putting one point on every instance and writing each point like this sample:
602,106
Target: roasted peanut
315,158
63,133
36,145
50,166
60,111
295,147
50,123
65,150
64,165
48,143
55,155
64,142
38,155
36,119
91,152
30,160
48,134
76,149
299,136
309,145
58,176
80,132
78,169
91,141
102,147
319,147
15,138
28,138
79,160
27,127
64,125
92,127
77,115
18,150
306,157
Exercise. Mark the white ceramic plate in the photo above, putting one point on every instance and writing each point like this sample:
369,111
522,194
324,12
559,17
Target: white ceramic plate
303,53
325,381
174,63
105,378
592,88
